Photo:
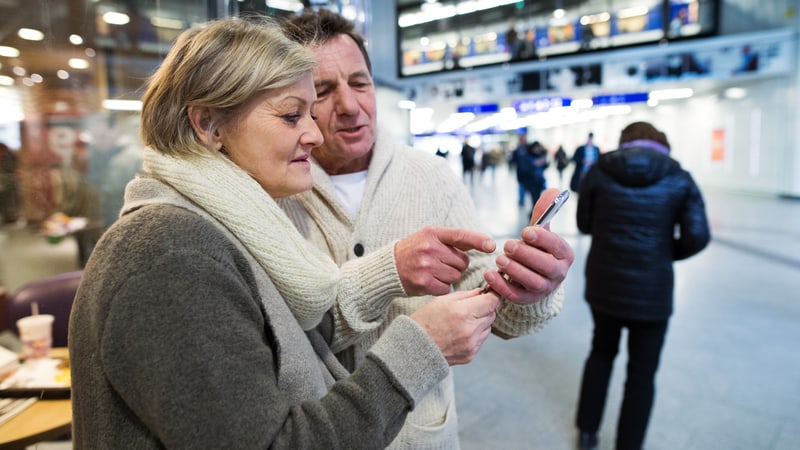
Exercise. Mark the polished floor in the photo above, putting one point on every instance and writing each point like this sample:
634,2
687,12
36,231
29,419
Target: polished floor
730,371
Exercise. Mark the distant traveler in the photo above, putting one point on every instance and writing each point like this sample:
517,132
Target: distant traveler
468,162
562,161
531,164
644,212
584,157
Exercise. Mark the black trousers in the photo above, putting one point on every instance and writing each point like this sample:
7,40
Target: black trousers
645,341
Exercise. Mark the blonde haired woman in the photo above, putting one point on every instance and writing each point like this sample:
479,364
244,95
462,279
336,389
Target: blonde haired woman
200,319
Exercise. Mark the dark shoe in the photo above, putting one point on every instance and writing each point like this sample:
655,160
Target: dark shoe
587,441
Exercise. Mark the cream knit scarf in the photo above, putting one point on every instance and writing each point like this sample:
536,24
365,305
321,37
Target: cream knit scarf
306,278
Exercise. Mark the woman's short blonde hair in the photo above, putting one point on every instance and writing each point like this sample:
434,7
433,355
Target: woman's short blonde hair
220,65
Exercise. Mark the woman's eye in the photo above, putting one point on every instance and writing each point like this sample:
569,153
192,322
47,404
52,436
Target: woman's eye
292,118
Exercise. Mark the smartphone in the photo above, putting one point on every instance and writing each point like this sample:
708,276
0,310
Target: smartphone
554,207
549,213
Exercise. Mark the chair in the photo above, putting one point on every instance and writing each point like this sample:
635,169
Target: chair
53,295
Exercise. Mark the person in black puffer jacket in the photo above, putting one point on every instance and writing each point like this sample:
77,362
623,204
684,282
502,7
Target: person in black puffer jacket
644,212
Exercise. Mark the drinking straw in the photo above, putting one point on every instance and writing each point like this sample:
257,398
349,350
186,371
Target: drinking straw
34,309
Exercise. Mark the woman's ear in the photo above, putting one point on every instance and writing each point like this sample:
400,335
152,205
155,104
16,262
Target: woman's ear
200,118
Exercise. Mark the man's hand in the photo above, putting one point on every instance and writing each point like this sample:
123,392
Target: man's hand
459,323
432,259
535,265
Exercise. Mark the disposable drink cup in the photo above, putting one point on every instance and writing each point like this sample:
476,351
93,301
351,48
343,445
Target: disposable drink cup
36,334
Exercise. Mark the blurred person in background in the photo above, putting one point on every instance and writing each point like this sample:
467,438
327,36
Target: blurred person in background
644,212
469,155
583,158
513,163
531,165
9,193
562,161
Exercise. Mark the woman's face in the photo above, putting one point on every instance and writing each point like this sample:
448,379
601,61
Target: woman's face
273,138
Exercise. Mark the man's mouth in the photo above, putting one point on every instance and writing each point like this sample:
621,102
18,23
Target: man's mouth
351,129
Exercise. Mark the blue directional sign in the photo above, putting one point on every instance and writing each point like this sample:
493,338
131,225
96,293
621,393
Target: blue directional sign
479,108
542,104
620,99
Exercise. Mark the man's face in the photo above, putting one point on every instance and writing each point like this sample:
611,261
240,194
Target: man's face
345,107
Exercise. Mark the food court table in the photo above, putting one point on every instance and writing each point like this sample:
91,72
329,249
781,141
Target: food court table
44,420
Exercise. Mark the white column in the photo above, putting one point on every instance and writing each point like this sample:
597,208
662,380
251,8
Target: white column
792,161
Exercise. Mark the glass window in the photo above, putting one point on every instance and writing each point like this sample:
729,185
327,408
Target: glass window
71,78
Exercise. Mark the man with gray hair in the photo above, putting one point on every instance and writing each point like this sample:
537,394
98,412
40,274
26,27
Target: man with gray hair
400,225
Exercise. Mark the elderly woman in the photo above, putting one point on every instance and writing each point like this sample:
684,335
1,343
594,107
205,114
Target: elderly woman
199,321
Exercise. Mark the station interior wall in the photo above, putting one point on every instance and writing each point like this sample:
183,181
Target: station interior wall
748,145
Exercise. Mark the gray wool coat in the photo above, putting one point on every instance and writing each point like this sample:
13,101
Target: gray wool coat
178,339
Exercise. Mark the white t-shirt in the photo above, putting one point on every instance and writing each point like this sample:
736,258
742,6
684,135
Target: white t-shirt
350,188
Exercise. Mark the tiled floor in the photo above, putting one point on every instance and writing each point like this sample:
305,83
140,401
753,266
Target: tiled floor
730,372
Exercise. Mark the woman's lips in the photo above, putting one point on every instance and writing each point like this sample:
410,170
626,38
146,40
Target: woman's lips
301,159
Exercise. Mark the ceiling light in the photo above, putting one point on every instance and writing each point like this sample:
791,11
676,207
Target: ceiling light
582,103
78,63
116,18
616,110
349,12
454,122
438,12
30,34
285,5
406,104
62,74
671,94
735,93
471,6
419,120
486,123
163,22
122,105
6,80
75,39
12,116
499,119
8,52
632,12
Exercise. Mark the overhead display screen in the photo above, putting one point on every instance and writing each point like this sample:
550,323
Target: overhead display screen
435,36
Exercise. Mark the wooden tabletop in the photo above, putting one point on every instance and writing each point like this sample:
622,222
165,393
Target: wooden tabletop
44,420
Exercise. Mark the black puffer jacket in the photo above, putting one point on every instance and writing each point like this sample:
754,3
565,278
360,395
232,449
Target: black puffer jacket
643,212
